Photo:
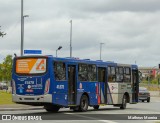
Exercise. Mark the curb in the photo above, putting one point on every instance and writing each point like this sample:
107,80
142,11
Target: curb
19,109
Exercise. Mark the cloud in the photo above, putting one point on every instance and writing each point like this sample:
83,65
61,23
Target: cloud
103,6
129,29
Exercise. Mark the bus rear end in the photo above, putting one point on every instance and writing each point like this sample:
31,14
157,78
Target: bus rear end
31,80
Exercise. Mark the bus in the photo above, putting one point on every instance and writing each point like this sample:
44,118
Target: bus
73,83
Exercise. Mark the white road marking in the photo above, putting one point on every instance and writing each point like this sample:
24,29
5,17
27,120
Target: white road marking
91,118
107,121
152,121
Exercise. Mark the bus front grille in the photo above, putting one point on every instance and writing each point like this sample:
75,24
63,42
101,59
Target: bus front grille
28,98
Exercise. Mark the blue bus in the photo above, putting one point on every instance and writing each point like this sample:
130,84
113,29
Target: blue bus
73,83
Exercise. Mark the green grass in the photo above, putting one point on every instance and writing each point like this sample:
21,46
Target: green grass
5,98
150,87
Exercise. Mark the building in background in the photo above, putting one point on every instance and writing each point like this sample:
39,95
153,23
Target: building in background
149,72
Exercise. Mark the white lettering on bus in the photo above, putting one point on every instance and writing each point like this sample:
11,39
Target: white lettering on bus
29,82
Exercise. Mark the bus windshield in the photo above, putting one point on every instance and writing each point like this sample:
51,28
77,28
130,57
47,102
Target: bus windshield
30,65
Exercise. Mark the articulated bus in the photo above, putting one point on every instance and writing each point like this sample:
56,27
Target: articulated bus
73,83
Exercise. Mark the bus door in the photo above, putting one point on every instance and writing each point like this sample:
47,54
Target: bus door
135,86
72,84
102,85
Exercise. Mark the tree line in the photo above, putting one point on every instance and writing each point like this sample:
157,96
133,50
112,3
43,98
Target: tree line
6,69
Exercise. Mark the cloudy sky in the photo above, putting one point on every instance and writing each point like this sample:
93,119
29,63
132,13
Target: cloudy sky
129,29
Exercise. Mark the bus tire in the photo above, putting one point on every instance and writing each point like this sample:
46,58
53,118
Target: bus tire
96,107
51,108
148,100
76,109
124,102
83,103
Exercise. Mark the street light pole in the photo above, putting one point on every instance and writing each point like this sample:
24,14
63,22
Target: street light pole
22,27
101,49
22,22
23,33
56,53
71,39
60,47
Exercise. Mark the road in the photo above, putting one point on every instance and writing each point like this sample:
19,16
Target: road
94,115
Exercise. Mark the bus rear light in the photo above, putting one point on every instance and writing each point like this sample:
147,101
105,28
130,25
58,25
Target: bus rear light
47,86
13,87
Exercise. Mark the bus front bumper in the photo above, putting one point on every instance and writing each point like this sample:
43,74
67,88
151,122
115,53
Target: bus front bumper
32,99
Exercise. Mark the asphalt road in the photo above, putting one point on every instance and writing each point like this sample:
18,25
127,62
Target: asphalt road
95,116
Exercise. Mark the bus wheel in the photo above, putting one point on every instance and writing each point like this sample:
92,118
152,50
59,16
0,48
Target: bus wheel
96,107
51,108
83,103
124,103
148,100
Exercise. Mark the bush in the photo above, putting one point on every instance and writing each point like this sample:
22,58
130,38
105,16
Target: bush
145,81
154,81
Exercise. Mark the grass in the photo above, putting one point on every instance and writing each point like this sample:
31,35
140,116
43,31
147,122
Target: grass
5,98
151,87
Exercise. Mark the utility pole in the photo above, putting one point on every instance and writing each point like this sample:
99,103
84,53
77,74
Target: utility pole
22,28
101,49
71,39
22,22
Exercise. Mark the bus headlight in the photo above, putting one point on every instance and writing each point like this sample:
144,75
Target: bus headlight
47,86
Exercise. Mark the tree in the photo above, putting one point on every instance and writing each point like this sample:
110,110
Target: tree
6,69
2,33
1,72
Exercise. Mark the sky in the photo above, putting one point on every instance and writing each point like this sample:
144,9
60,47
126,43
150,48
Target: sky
129,29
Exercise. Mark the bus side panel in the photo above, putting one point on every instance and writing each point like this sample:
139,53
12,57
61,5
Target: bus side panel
109,95
90,89
58,89
124,88
60,96
117,90
93,98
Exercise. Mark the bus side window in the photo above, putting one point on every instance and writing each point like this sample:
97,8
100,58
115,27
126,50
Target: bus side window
92,73
111,74
127,74
59,71
119,74
82,72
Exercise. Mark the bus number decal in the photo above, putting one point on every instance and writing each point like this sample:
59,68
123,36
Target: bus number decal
60,87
